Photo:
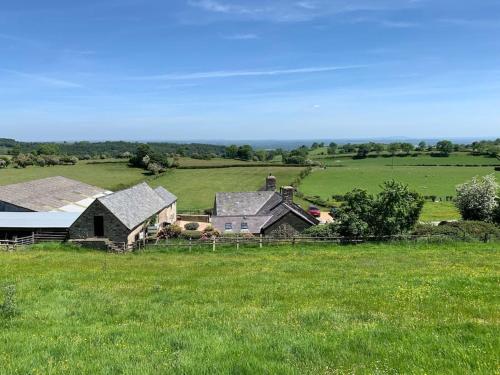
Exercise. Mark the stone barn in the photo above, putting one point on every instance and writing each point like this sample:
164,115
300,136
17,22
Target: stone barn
264,212
124,216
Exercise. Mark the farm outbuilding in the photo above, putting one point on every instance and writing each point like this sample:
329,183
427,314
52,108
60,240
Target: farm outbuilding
124,217
49,194
21,224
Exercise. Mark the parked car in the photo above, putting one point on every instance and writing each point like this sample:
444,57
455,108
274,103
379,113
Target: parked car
314,211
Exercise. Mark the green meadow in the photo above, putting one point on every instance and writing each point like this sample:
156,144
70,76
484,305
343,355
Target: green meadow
196,188
366,309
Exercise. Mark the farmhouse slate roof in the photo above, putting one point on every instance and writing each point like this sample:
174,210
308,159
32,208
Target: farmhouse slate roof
241,203
167,196
135,205
51,194
258,209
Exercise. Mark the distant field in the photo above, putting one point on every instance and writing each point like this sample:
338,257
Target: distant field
366,309
111,176
189,162
453,159
196,188
439,181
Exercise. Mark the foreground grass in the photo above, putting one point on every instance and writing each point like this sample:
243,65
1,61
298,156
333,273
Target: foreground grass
354,309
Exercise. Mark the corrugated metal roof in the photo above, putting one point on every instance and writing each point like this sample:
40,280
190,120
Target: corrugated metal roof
51,194
37,220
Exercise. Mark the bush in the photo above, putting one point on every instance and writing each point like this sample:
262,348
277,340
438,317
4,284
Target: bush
193,234
170,231
460,230
8,309
322,231
477,198
191,226
210,231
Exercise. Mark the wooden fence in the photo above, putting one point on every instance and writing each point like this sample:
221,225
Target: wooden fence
33,239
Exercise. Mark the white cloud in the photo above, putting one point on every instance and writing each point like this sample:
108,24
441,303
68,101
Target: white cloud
246,73
298,11
248,36
54,82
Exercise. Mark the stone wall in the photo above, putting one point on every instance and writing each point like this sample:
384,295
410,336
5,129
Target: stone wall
83,227
288,223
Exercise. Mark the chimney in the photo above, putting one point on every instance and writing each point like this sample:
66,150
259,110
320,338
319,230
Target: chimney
287,194
270,183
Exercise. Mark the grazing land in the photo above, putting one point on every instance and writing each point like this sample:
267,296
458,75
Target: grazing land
389,308
112,176
196,188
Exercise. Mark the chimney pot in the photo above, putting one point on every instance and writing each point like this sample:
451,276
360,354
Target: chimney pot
287,194
270,183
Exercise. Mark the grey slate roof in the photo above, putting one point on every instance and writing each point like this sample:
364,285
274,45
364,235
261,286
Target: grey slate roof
241,204
51,194
37,220
135,205
258,209
167,196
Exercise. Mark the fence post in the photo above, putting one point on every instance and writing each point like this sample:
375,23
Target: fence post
190,245
260,241
293,241
213,243
33,238
237,243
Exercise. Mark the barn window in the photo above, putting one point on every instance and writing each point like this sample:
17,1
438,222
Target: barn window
228,226
244,226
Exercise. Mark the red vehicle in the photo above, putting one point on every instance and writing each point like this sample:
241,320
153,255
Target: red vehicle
314,211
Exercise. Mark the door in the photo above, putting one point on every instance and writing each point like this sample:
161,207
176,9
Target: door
98,226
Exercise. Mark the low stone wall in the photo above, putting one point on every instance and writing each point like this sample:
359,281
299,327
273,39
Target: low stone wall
194,218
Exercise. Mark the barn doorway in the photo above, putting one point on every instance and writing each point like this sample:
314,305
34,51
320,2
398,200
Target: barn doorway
98,226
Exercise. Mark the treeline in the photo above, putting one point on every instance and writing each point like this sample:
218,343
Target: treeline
441,148
111,149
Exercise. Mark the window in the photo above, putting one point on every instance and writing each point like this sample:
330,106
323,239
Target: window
244,226
228,226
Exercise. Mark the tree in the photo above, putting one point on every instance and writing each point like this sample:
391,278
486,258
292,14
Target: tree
407,148
378,148
395,210
48,149
245,152
393,148
422,146
363,150
231,152
477,198
444,147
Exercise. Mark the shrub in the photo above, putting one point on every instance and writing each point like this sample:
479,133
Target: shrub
191,226
210,231
170,231
477,198
322,231
8,309
461,230
193,234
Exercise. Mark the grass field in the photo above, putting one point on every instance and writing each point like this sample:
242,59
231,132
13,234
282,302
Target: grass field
368,309
439,181
112,176
196,188
457,158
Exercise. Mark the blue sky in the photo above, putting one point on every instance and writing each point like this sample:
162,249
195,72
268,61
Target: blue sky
241,69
